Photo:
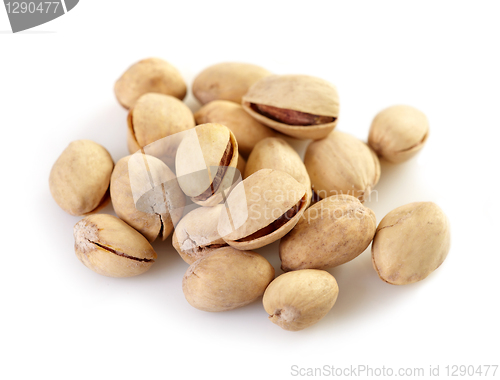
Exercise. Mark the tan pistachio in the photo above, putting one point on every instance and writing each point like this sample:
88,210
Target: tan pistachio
241,165
342,164
149,75
300,106
226,81
410,243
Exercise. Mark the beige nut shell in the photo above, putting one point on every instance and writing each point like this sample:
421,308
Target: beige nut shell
110,247
79,179
398,133
226,81
226,279
149,75
342,164
299,93
299,299
410,243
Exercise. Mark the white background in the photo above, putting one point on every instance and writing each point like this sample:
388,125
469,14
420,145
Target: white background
59,320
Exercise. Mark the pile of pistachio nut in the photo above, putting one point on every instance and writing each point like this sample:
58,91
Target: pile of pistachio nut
224,181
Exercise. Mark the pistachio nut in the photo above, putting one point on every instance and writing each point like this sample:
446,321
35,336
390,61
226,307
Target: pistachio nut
110,247
300,106
206,162
79,179
262,209
226,279
149,75
410,243
146,195
246,129
196,234
241,165
331,232
398,133
226,81
342,164
276,153
299,299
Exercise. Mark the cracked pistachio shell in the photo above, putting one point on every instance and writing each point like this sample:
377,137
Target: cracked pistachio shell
151,75
332,232
203,163
398,133
157,206
342,164
226,279
196,234
226,81
79,179
256,203
276,153
299,299
410,243
110,247
300,93
246,129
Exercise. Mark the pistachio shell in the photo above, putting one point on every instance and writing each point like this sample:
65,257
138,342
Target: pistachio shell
342,164
196,234
410,243
242,164
246,129
397,133
299,299
276,153
226,81
331,232
226,279
300,93
110,247
149,75
257,202
79,179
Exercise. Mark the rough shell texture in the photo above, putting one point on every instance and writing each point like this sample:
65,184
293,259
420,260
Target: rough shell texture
255,203
226,81
342,164
246,129
196,234
398,133
276,153
79,179
410,243
149,75
299,299
299,93
226,279
153,209
110,247
331,232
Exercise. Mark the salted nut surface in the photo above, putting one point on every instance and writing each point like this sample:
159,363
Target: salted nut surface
226,81
410,243
205,163
299,299
262,209
79,179
300,106
331,232
398,133
342,164
146,76
110,247
146,195
226,279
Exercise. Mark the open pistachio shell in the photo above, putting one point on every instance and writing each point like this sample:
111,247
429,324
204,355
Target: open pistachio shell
342,164
300,106
203,163
261,209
